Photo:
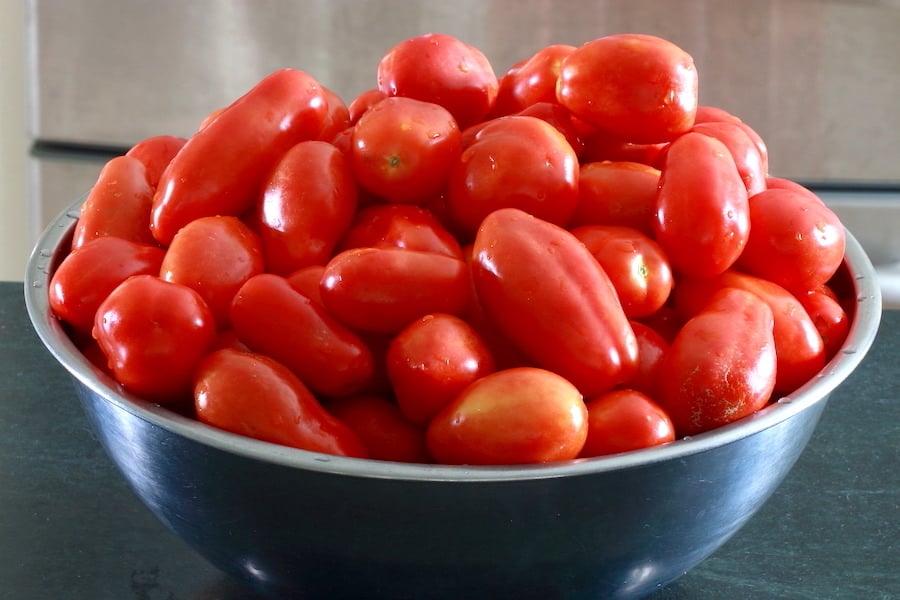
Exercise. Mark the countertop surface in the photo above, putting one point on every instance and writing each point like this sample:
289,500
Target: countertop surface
71,528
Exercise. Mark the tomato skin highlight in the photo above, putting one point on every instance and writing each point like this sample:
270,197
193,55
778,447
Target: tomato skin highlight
256,396
721,366
550,297
514,416
219,169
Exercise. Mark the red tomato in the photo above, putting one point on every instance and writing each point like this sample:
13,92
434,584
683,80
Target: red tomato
703,215
220,168
336,119
652,347
382,290
550,297
273,318
431,360
402,149
639,87
721,366
514,416
712,114
829,317
442,69
256,396
118,204
624,420
514,162
795,240
560,117
156,153
602,146
799,347
154,334
400,226
363,102
617,193
383,430
782,183
214,256
531,81
634,262
87,275
743,150
305,206
307,280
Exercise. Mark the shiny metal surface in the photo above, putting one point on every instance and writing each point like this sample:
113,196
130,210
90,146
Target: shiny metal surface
287,521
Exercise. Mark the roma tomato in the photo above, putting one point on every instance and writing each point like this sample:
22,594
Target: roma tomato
307,280
617,193
634,262
625,420
831,320
305,206
363,102
743,150
118,204
600,146
639,87
87,275
337,117
652,347
702,214
273,318
799,347
220,168
560,117
795,240
382,290
431,360
382,428
156,153
154,333
551,298
256,396
214,256
531,81
402,149
400,226
721,366
515,416
442,69
514,162
712,114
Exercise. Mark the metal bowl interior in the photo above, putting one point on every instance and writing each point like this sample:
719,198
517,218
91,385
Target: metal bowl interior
617,526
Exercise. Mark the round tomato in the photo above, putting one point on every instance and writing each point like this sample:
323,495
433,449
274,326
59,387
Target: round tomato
639,87
624,420
532,80
514,416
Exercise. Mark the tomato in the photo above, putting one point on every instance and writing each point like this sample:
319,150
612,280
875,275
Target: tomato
514,162
154,333
382,290
214,256
831,320
273,318
745,153
306,281
712,114
634,262
256,396
402,149
219,169
87,275
652,347
624,420
514,416
156,153
431,360
337,117
442,69
617,193
721,365
551,298
799,347
795,240
602,146
382,428
531,81
363,102
560,117
782,183
305,206
400,226
703,214
639,87
118,204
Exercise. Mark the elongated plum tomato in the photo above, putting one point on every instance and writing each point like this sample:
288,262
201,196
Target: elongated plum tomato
550,297
256,396
623,420
515,416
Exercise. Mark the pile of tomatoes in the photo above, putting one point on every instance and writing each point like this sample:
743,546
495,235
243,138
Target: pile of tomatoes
572,259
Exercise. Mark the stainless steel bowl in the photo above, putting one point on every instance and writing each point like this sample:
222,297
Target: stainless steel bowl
293,523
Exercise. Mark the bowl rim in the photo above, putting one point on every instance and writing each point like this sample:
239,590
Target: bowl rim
49,251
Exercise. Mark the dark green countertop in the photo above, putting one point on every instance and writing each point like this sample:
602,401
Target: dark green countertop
71,528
